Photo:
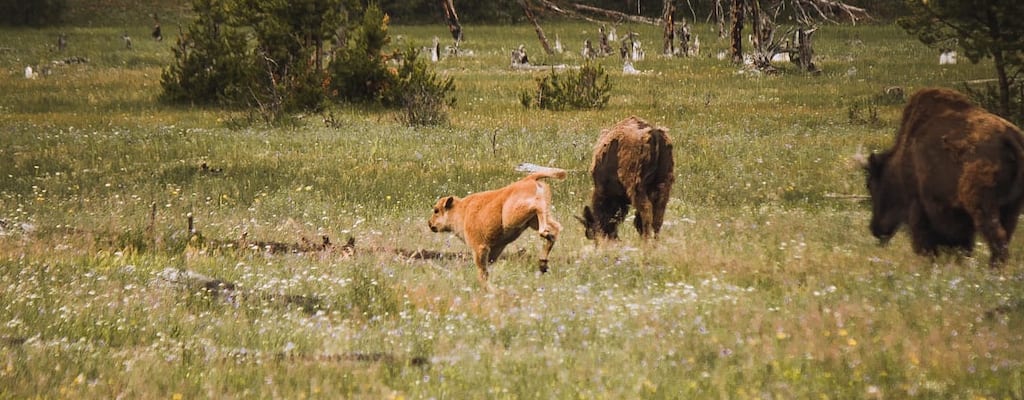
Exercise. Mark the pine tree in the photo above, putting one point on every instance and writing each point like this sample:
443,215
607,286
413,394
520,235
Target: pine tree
358,70
210,59
982,28
291,37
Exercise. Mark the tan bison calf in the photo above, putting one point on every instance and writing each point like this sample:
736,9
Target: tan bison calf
954,170
632,165
489,221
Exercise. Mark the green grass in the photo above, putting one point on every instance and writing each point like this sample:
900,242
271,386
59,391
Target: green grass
763,284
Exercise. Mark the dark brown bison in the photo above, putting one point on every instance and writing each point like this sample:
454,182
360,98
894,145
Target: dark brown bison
954,170
632,165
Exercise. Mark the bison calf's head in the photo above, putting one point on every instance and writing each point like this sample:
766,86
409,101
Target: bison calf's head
888,207
439,219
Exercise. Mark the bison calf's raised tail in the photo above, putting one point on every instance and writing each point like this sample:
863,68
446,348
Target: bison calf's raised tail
489,221
954,170
632,166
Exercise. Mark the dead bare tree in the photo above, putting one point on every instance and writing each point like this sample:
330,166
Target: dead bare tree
763,15
577,11
615,15
452,18
564,12
827,10
684,36
718,13
536,26
763,24
736,33
667,9
805,50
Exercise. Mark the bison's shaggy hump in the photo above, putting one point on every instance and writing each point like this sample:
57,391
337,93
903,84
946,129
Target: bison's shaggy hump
632,165
954,170
932,103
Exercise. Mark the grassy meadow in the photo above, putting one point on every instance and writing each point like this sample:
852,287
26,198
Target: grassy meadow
764,284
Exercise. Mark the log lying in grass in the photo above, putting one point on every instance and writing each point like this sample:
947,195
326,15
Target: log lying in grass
303,246
375,357
851,197
12,341
195,282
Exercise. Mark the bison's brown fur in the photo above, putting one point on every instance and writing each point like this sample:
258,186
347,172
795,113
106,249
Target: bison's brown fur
954,170
632,165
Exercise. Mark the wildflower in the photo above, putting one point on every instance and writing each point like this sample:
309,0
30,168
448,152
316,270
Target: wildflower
650,386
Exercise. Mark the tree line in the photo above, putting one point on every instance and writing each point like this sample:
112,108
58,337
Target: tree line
50,12
278,58
216,62
509,11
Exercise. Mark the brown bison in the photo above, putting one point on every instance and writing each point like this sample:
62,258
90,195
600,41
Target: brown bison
954,170
632,165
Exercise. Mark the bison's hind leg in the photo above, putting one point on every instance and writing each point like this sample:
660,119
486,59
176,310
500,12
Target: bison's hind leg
940,231
1008,217
923,239
996,225
998,240
660,203
638,223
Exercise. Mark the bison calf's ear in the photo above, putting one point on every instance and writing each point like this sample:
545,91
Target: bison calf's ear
449,202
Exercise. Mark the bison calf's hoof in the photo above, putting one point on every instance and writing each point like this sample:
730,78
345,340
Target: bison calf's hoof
543,266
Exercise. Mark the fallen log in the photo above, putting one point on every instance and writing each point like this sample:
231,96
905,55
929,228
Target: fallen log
856,197
617,15
197,283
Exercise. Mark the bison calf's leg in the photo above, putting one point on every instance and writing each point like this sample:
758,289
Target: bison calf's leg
482,256
549,236
549,242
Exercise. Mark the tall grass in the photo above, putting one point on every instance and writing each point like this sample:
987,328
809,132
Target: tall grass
764,284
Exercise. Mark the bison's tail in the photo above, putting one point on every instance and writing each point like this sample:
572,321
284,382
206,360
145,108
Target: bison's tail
540,172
